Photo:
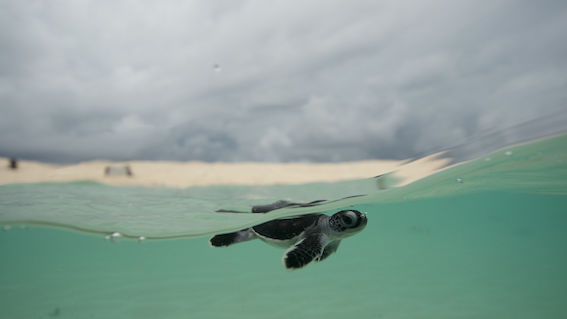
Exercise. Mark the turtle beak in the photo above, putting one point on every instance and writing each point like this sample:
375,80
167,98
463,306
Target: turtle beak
363,219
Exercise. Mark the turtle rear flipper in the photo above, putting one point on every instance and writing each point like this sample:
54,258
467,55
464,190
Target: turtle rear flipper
224,240
304,252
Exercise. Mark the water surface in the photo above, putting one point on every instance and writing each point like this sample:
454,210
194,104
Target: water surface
485,239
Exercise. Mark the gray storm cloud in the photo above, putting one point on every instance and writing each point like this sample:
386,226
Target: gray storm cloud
274,81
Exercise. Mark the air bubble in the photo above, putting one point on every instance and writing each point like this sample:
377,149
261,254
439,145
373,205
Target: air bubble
508,153
459,180
113,237
141,239
6,227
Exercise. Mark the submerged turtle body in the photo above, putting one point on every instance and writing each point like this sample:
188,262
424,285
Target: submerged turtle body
308,237
286,232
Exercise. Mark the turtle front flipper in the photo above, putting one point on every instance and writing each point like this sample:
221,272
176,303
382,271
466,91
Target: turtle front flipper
329,249
223,240
304,252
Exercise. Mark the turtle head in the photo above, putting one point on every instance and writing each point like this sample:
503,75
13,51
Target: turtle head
347,222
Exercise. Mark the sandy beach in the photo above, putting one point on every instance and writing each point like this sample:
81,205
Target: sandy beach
184,174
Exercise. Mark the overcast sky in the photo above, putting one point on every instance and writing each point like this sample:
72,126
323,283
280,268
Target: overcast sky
274,80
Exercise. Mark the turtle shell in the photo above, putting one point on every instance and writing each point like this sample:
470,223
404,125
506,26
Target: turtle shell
288,228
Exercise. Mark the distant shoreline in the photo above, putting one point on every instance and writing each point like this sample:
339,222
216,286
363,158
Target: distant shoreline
185,174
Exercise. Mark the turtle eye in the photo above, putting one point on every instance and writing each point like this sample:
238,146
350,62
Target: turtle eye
349,218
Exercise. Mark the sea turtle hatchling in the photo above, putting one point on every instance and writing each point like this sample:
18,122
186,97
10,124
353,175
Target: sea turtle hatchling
307,237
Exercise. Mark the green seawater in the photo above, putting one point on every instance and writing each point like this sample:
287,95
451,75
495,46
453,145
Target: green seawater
485,239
